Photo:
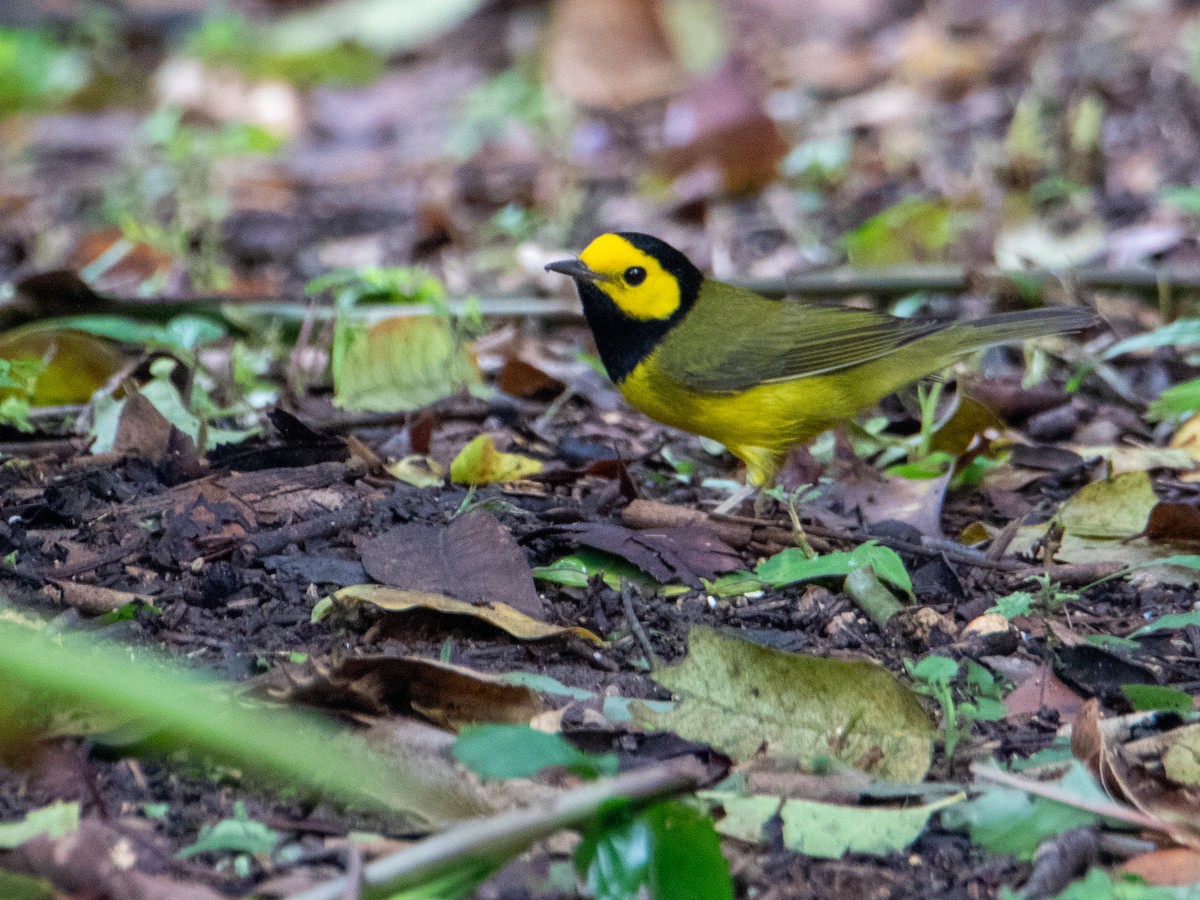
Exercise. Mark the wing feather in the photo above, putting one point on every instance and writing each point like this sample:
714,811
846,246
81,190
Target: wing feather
751,340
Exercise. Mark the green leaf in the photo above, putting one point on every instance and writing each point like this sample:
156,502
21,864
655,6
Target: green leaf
239,834
54,821
188,710
1177,400
398,364
575,569
383,26
669,849
1115,507
518,751
1012,605
1098,885
913,230
1171,621
936,670
825,830
1153,696
1004,820
738,696
791,565
14,886
544,684
1180,333
1185,198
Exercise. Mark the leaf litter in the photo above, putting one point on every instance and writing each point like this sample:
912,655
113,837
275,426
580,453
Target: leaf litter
197,525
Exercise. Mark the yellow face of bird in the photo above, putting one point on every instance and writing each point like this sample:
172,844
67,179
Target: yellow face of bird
633,279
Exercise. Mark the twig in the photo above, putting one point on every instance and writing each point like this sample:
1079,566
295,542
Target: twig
498,837
901,280
635,625
1053,792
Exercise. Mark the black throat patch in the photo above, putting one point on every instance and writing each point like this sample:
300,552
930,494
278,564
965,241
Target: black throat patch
624,342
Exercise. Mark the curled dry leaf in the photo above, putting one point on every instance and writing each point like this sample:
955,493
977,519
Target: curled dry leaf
445,694
1141,783
495,613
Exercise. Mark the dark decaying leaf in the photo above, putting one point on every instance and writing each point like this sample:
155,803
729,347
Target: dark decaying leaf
316,569
448,695
1174,523
684,553
474,558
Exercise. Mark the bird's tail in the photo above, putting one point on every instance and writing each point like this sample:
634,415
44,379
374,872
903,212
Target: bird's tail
1019,326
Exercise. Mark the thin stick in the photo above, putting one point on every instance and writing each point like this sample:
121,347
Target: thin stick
501,836
1053,792
635,624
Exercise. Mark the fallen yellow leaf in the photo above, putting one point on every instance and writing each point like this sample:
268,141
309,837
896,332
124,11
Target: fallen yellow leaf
481,463
495,613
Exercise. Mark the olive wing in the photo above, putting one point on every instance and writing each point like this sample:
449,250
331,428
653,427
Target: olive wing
733,339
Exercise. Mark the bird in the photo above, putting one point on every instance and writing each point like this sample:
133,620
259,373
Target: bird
760,375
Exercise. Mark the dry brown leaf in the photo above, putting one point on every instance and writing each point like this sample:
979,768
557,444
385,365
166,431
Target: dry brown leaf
1042,690
90,598
445,694
1178,866
1141,784
495,613
471,558
611,54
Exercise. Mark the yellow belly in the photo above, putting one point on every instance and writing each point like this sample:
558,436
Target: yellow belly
758,425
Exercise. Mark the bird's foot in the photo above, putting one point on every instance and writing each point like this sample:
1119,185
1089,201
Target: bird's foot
735,500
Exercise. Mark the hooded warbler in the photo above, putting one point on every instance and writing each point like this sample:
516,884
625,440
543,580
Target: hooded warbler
756,374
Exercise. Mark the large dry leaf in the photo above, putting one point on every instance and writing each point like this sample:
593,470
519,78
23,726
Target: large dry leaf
495,613
472,558
1115,507
741,698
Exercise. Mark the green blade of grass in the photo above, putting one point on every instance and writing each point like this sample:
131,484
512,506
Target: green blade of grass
201,714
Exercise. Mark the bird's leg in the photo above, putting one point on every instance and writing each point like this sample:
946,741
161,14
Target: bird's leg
761,466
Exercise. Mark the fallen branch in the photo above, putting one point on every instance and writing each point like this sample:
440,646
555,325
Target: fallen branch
502,836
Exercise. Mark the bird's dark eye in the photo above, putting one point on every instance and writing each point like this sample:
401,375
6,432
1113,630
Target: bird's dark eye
634,276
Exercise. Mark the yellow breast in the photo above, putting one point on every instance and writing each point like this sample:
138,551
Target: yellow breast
757,425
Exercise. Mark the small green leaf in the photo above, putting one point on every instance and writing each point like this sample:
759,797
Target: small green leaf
54,821
791,565
936,670
1012,605
1010,821
1181,332
239,834
669,849
518,751
1153,696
